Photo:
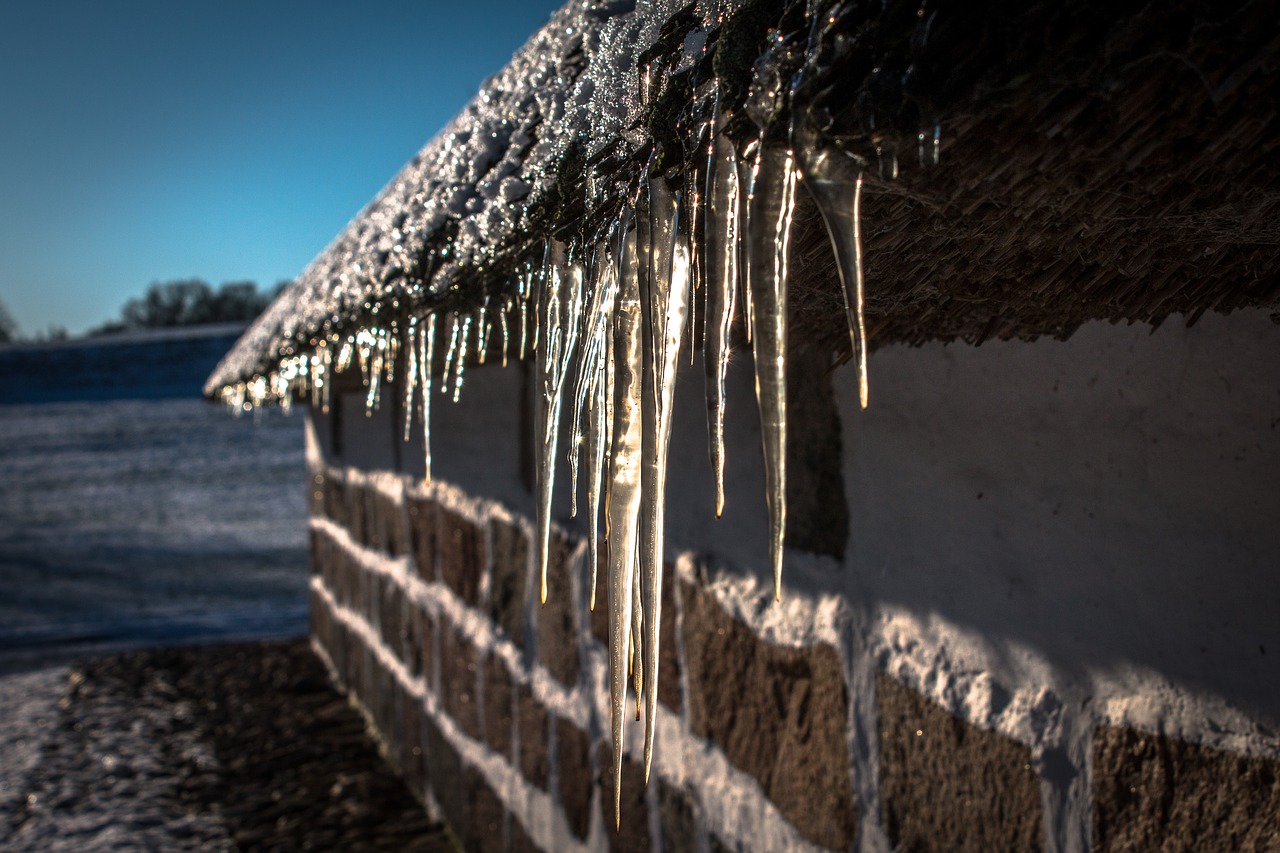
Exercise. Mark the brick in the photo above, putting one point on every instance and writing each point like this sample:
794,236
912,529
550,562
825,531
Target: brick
335,501
461,549
486,816
557,618
498,703
355,507
520,840
412,763
394,525
422,535
411,651
948,785
317,552
392,618
458,681
1152,792
426,638
668,647
633,830
677,818
600,616
316,489
573,767
531,719
509,588
779,714
445,774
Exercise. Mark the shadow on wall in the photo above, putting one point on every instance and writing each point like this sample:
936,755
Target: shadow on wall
1108,502
1104,505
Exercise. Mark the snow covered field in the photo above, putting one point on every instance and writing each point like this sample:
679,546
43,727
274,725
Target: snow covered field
139,522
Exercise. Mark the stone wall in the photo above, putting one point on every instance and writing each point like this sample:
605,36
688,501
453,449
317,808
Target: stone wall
1019,647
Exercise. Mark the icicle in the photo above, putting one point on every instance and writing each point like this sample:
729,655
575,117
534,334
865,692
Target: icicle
411,377
450,353
506,335
461,361
596,371
637,636
834,181
623,505
748,173
768,242
482,331
722,289
523,299
665,308
558,312
596,340
426,355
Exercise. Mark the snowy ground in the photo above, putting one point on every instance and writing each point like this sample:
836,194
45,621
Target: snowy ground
143,522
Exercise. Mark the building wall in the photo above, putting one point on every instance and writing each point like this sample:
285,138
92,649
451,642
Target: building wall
1030,602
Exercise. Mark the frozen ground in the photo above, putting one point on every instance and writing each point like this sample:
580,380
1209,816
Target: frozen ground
141,522
241,747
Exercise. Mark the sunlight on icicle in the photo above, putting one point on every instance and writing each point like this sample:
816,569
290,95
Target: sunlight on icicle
623,505
768,242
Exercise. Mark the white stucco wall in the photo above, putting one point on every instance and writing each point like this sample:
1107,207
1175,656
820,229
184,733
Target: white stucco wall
1044,537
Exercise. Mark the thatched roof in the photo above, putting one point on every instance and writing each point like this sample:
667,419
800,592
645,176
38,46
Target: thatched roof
1110,161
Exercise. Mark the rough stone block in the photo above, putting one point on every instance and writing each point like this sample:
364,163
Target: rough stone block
557,618
411,648
677,817
394,525
315,493
355,507
779,714
520,840
412,765
317,552
532,722
444,771
573,766
947,785
393,629
458,681
422,535
498,704
335,501
486,816
1152,792
461,548
668,647
509,587
600,616
633,831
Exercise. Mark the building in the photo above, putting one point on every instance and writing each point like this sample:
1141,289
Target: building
1028,598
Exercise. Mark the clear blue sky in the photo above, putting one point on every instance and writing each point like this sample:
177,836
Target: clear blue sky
145,141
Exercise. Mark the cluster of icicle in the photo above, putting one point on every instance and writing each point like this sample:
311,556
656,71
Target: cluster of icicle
605,324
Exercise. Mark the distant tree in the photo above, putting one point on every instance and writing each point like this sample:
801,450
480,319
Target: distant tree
8,326
189,302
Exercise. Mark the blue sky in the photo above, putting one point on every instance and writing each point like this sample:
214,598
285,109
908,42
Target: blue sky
146,141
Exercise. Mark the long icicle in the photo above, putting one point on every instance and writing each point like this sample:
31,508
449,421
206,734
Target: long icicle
722,289
834,181
768,242
558,314
411,377
426,356
624,500
666,308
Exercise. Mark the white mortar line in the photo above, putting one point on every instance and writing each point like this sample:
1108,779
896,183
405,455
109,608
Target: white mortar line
533,807
440,599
